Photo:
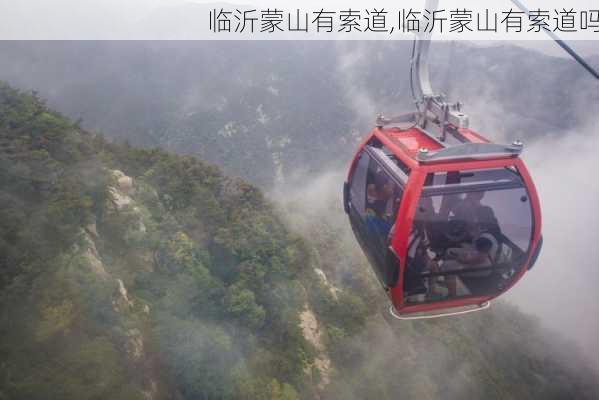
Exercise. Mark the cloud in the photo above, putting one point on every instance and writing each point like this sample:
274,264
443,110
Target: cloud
562,287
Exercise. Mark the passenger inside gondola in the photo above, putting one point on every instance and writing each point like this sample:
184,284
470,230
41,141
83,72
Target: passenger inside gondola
448,248
466,240
380,203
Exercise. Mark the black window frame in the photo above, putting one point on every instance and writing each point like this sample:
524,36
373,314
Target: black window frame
383,260
466,187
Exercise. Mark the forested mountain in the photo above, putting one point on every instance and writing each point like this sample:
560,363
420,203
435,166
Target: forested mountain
132,273
263,110
115,287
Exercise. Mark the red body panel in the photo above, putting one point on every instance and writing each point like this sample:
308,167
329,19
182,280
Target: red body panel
411,140
405,145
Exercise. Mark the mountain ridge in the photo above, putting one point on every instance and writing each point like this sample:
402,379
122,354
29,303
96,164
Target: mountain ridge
315,98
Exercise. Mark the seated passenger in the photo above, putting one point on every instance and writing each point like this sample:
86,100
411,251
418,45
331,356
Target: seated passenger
480,253
473,220
502,253
476,245
487,221
420,260
459,231
378,195
488,228
467,209
373,199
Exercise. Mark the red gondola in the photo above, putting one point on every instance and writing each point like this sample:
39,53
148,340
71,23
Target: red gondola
446,218
443,226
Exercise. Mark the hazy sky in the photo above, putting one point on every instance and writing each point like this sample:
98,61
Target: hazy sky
188,19
562,287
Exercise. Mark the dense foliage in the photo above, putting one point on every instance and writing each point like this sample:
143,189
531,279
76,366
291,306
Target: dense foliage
202,254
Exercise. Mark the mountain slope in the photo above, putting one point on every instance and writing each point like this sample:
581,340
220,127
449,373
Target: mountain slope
107,280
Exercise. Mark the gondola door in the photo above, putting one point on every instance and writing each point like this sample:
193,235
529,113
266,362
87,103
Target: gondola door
373,201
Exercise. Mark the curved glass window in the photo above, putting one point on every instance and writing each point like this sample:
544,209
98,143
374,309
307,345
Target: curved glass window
376,189
470,236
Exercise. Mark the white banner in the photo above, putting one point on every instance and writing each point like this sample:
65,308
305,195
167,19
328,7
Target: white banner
296,20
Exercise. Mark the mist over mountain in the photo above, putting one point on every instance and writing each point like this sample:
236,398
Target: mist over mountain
156,275
262,110
141,274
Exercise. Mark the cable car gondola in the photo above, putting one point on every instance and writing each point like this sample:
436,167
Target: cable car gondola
447,219
443,225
